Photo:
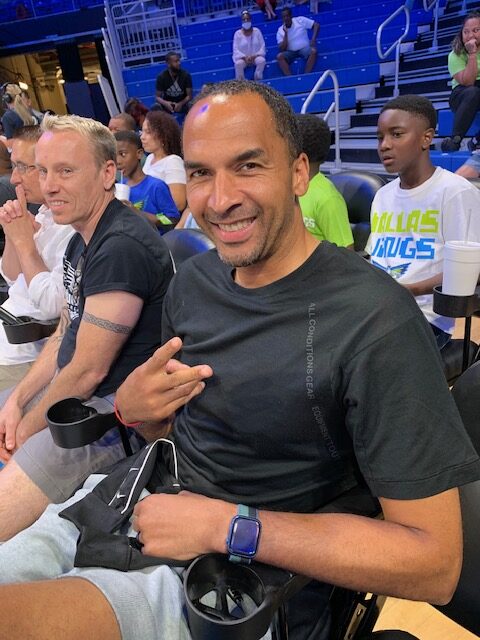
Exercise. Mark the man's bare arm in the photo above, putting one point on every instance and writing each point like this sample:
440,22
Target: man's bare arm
415,553
109,319
424,287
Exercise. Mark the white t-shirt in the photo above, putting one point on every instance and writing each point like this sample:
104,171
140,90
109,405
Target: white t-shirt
169,169
297,34
410,228
251,45
43,298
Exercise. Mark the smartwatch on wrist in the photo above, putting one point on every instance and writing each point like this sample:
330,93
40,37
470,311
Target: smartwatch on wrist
244,535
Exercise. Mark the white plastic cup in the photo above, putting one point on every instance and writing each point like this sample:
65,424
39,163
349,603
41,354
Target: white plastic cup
461,267
122,191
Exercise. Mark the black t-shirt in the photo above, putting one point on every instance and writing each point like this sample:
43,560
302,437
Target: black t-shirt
174,88
124,254
326,371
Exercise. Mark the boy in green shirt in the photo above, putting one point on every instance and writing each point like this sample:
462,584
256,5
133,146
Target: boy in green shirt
323,207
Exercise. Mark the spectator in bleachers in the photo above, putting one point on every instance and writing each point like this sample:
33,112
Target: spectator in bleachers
248,49
415,214
122,122
116,272
16,113
173,88
161,140
32,259
27,101
268,8
149,196
293,41
323,208
137,110
464,67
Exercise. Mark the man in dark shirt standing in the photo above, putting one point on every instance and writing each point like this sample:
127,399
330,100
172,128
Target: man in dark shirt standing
174,87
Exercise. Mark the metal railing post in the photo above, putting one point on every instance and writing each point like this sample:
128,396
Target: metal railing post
334,105
397,44
435,4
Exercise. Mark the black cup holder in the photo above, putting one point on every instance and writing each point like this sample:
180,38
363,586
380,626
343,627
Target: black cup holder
29,330
74,424
228,601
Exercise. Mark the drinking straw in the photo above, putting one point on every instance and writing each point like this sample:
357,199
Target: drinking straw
468,224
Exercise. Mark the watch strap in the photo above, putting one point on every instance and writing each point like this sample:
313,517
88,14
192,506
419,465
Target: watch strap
249,512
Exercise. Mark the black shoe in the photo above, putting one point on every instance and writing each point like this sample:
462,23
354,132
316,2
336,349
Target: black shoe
474,143
451,144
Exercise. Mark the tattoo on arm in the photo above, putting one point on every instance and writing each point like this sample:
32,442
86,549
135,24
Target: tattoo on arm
106,324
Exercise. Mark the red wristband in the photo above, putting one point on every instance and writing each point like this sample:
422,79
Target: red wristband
121,420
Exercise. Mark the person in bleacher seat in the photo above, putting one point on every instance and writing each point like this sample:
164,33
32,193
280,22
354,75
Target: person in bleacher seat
173,88
414,215
116,272
248,49
323,208
301,374
138,111
17,114
464,67
294,42
268,8
161,140
31,263
122,122
149,196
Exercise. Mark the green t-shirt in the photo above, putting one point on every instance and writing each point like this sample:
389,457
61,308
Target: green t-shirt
325,212
458,63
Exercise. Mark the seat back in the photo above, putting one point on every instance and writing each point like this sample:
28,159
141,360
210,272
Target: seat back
358,189
186,243
464,607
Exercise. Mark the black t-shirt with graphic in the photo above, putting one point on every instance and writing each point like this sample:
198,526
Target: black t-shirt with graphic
124,254
174,88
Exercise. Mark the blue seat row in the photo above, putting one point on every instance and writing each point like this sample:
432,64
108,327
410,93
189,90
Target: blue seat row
294,84
360,57
450,161
445,124
338,39
367,9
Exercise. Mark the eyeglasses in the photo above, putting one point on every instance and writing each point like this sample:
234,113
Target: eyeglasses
22,168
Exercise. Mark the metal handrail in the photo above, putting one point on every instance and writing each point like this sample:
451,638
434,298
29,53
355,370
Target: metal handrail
435,5
397,44
334,105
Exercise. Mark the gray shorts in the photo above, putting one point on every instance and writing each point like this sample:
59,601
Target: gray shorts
148,603
59,472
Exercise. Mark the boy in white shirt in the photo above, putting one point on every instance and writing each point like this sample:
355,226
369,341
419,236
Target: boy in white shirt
414,215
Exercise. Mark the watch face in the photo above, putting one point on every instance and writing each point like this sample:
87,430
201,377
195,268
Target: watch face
244,538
